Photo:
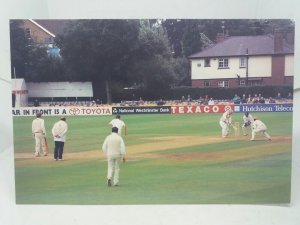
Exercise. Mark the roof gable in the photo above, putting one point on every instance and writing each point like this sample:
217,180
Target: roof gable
52,27
238,45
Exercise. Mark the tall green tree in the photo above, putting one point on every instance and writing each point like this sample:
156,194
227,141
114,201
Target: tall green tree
99,50
43,67
19,49
153,67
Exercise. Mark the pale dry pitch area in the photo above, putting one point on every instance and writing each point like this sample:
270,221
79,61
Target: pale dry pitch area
155,145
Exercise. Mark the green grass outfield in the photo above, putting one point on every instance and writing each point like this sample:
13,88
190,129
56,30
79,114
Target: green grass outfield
171,159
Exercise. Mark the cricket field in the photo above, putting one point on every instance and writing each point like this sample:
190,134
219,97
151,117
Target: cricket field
171,159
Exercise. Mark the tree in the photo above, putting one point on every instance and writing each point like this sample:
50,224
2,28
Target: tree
42,67
175,29
153,68
30,60
191,39
99,50
19,49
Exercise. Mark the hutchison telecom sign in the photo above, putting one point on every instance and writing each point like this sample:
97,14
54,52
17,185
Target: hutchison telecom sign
264,108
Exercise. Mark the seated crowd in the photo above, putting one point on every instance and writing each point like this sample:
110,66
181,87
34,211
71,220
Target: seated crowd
206,100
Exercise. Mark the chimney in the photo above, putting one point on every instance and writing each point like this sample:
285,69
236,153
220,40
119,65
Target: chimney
278,41
290,36
222,36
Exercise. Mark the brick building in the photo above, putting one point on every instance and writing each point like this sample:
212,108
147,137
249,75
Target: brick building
245,60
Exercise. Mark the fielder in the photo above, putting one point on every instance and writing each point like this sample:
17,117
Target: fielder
225,122
117,122
248,119
39,134
259,126
114,148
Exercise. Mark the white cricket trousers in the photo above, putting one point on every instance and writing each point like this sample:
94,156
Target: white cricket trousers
113,170
39,143
264,131
225,128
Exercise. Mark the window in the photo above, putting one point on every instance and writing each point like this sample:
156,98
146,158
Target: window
223,84
27,32
206,62
243,62
242,82
206,84
255,82
223,63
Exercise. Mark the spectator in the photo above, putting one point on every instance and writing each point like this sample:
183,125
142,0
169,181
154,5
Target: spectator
211,101
290,96
236,99
271,100
189,99
160,102
182,98
244,99
279,96
206,99
98,101
200,100
249,99
255,99
261,99
141,101
36,103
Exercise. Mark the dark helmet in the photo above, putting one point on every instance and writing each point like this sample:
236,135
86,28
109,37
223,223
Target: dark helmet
247,114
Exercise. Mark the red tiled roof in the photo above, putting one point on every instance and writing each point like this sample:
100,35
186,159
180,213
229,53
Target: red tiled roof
238,45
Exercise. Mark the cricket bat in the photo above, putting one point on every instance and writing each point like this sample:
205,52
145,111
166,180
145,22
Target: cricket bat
46,146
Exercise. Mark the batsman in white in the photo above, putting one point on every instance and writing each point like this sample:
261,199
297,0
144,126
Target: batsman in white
259,126
225,122
248,119
39,134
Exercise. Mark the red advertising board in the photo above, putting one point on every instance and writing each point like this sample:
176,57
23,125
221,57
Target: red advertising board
196,109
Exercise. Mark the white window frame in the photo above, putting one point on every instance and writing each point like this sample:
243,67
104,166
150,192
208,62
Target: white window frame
206,83
223,63
223,83
242,82
243,62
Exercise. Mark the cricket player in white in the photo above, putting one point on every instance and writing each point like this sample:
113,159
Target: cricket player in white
114,148
59,132
225,122
248,119
259,126
39,134
117,122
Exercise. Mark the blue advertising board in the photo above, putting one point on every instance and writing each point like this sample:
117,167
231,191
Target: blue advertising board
142,110
263,108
